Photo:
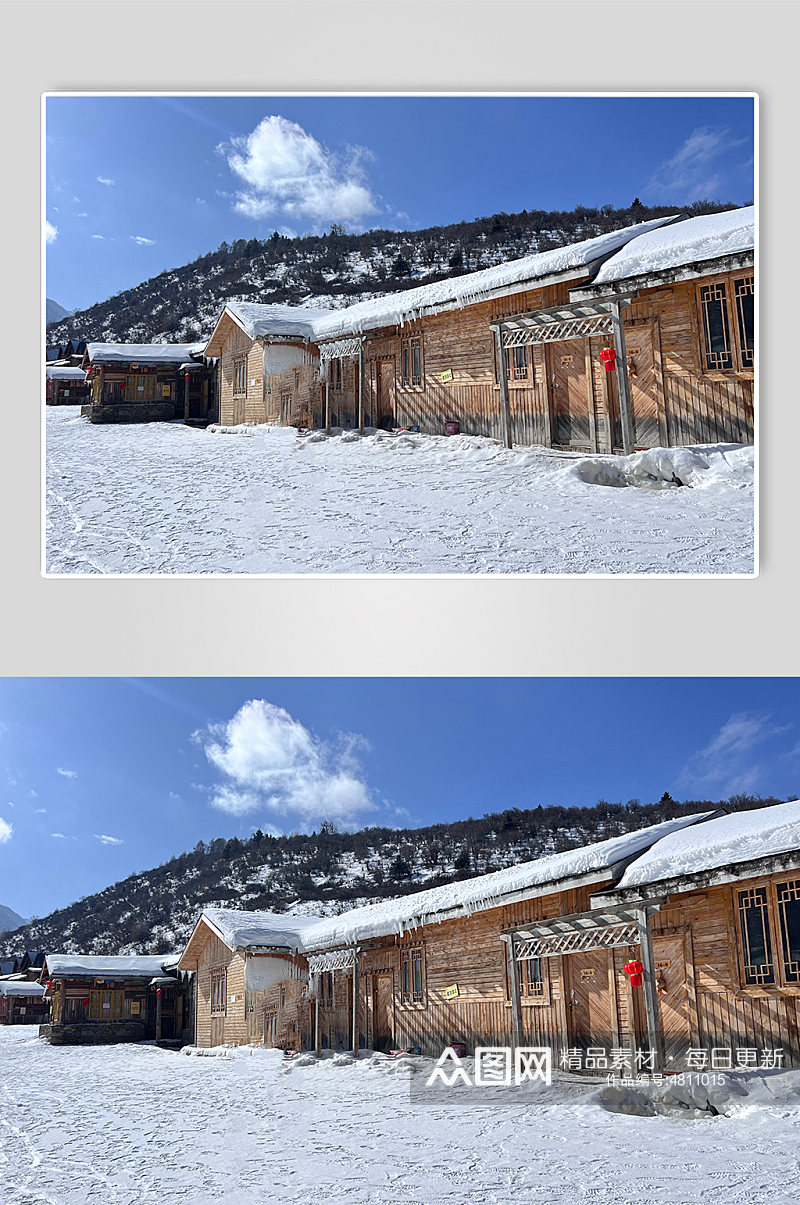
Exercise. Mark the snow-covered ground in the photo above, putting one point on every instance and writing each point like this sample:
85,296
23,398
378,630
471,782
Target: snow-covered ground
163,498
130,1125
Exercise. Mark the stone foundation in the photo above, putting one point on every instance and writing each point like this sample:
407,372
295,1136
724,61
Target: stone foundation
136,412
93,1033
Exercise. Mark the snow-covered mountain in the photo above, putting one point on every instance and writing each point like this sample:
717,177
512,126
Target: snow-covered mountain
54,312
336,269
9,919
326,872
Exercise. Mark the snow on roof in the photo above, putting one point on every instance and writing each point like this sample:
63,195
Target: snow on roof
143,353
688,242
287,320
724,841
56,372
239,929
103,966
8,988
485,891
457,291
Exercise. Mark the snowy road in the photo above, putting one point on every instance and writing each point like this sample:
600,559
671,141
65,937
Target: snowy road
130,1125
162,499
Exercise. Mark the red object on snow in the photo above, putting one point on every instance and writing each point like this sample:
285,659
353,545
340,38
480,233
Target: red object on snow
609,358
634,969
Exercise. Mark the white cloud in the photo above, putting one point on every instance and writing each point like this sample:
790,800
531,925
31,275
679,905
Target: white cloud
286,169
271,762
83,215
691,173
104,839
40,812
100,236
105,180
6,830
174,795
50,232
59,836
67,773
142,241
724,766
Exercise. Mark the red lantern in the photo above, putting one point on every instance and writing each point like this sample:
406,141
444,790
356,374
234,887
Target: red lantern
634,968
86,1003
158,991
186,376
609,358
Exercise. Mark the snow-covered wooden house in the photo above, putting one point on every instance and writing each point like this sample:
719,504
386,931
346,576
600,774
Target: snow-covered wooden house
251,985
65,386
268,368
149,382
636,338
116,998
22,1002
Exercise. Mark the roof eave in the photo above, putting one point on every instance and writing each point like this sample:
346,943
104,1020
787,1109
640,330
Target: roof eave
649,280
715,876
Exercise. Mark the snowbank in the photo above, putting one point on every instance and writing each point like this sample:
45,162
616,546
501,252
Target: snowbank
700,1095
689,242
671,468
720,842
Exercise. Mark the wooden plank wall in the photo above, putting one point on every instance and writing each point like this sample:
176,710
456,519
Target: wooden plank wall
241,409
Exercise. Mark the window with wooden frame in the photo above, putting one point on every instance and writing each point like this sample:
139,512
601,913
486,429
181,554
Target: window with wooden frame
327,989
140,387
769,934
727,324
240,375
106,1005
411,366
412,975
219,991
534,981
335,373
517,367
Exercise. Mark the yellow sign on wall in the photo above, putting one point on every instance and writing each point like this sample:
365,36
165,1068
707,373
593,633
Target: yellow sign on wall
450,993
447,375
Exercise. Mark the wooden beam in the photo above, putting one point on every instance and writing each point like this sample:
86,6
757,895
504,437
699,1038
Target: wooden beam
361,385
355,1004
317,1034
650,993
623,384
513,982
505,411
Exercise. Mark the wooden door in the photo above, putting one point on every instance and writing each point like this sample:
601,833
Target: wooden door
383,1035
569,395
642,377
385,417
217,1030
589,1000
672,988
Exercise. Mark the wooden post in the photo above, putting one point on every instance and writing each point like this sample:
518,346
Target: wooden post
327,404
503,379
623,384
355,1004
650,993
361,384
317,1035
158,1013
185,396
513,980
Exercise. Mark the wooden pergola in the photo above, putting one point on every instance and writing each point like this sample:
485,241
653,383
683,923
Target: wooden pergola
336,960
339,349
600,316
583,931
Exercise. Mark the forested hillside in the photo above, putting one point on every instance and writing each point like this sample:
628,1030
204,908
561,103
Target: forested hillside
335,269
326,871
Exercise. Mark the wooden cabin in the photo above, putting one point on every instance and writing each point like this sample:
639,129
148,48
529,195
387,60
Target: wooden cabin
250,983
119,998
520,352
65,386
151,382
268,369
22,1002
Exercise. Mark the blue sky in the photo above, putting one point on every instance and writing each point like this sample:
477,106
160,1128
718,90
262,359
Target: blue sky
135,185
102,777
